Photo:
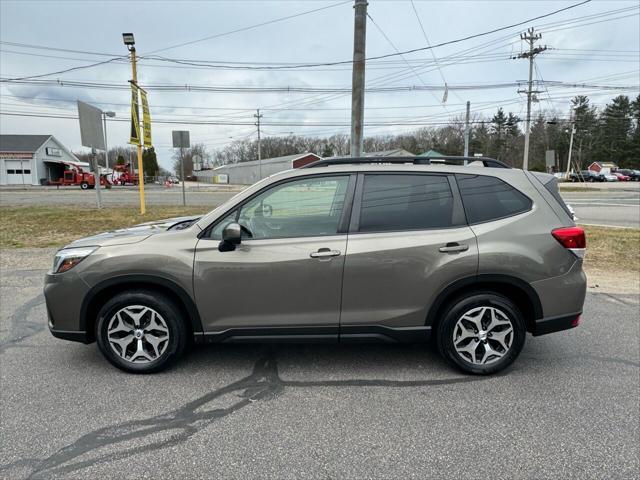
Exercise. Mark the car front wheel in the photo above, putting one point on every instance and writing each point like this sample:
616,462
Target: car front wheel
481,333
141,332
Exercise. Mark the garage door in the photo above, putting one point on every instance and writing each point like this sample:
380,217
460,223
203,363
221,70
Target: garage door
16,170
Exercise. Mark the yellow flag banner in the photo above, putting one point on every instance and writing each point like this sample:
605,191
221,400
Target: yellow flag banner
146,119
135,123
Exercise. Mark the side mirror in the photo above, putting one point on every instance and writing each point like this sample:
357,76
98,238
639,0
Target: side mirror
231,236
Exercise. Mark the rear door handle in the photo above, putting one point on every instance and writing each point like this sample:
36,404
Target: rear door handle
325,253
453,247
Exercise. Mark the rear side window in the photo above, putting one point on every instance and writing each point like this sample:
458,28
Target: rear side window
405,202
550,183
489,198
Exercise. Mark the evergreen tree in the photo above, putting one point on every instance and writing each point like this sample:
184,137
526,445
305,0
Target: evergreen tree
150,162
615,143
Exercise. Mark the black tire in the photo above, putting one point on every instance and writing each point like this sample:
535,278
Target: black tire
169,312
462,305
84,185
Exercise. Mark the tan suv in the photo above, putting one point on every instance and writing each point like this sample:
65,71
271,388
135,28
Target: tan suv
343,250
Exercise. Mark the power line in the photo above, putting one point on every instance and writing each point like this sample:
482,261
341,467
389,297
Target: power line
426,39
81,67
172,87
401,56
398,53
250,27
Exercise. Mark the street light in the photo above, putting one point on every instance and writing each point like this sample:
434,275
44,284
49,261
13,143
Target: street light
128,40
106,148
130,44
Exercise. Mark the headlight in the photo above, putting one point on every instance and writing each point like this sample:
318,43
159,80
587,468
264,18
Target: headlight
68,258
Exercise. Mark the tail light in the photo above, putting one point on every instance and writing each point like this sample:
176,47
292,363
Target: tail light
571,238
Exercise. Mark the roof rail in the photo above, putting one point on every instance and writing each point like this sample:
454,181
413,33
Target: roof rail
446,160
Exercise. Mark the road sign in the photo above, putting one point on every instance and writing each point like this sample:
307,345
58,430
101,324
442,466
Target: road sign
197,162
91,133
550,158
146,119
180,138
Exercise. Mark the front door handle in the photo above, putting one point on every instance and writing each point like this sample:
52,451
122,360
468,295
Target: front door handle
325,253
453,247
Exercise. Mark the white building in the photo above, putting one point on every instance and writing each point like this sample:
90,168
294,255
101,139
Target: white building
248,173
32,159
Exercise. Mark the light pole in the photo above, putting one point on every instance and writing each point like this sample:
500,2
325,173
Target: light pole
130,43
106,148
572,125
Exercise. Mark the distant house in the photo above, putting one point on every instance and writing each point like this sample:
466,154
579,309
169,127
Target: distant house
247,173
604,167
32,159
432,154
398,152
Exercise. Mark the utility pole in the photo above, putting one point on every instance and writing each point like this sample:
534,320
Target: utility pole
530,37
258,117
467,130
357,78
573,130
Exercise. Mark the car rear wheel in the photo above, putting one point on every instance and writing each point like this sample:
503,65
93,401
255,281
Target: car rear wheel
141,332
84,185
481,333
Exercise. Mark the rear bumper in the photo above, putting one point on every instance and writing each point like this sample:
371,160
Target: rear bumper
556,324
562,296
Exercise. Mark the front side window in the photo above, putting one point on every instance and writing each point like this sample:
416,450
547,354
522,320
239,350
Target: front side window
300,208
216,231
489,198
405,202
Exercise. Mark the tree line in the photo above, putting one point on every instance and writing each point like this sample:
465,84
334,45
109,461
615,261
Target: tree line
120,155
604,134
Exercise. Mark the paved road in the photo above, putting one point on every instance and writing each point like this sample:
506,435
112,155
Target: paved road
154,195
606,207
568,408
614,207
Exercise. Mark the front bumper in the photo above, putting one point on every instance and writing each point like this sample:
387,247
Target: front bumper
63,295
70,335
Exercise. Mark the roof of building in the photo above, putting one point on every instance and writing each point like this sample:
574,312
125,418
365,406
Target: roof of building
432,154
22,143
605,164
398,152
283,159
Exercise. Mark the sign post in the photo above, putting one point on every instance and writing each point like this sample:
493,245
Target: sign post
181,140
92,135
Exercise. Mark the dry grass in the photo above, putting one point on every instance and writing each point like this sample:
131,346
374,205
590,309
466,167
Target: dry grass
613,249
22,227
608,249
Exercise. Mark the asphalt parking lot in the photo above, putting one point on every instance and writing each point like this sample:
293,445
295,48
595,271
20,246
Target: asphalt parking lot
568,407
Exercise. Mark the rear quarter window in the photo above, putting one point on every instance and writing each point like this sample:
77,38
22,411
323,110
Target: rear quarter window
489,198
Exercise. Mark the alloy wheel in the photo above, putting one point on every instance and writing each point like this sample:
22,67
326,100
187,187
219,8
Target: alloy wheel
483,335
138,334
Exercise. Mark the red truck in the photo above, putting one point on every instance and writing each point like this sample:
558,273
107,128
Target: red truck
123,175
74,175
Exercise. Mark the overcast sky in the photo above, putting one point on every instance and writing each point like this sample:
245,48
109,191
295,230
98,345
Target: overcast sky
586,44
